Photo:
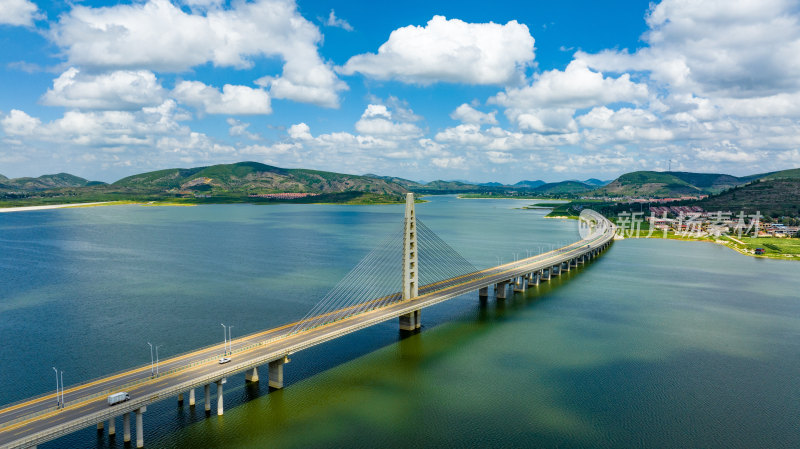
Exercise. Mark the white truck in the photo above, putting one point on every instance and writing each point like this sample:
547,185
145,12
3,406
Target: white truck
116,398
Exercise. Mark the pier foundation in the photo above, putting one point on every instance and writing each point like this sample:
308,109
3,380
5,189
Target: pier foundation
410,321
207,393
126,427
276,372
501,290
251,375
112,426
140,427
519,286
220,407
191,397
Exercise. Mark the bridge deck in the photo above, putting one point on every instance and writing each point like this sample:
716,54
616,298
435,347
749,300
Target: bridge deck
37,420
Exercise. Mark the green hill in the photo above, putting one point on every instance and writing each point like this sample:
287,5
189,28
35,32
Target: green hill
43,182
530,184
562,188
793,173
670,184
772,197
216,183
248,178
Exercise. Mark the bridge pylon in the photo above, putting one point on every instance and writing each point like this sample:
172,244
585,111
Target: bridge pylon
410,321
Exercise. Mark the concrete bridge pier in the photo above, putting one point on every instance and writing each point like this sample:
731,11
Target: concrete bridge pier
534,278
410,321
191,397
112,426
251,375
555,270
519,285
483,292
180,399
574,262
126,427
140,427
100,427
207,393
545,277
220,407
565,266
501,290
276,372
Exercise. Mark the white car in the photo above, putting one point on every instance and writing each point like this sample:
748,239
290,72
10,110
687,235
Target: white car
224,360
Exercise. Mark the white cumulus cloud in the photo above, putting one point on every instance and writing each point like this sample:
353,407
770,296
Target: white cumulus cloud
450,51
233,100
158,35
467,114
18,12
121,90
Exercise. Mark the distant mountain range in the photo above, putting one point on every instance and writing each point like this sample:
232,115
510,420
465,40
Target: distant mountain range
44,182
217,183
252,181
675,184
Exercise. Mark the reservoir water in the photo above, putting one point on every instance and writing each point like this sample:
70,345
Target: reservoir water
656,344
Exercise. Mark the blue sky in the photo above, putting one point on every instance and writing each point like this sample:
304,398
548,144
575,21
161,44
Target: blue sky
419,89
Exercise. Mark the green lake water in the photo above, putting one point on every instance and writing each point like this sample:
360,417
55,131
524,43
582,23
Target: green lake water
656,344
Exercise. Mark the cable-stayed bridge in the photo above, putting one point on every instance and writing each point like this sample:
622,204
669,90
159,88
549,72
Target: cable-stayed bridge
373,292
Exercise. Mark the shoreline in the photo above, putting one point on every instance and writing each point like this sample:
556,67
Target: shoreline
731,244
739,250
53,206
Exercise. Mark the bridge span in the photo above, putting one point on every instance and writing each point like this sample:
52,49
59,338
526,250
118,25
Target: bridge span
37,420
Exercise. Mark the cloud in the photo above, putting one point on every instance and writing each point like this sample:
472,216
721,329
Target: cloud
337,22
121,90
715,47
467,114
300,131
575,87
450,51
18,12
237,128
158,35
18,123
726,156
233,100
376,121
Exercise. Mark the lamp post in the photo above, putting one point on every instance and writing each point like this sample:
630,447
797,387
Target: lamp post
157,359
230,339
62,389
152,373
224,339
58,398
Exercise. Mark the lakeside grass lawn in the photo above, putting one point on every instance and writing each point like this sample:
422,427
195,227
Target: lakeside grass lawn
774,245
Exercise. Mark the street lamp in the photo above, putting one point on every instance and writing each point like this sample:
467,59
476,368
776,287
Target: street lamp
58,400
62,389
224,339
152,373
157,359
230,339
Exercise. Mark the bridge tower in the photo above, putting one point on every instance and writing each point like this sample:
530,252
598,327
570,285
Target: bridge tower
411,320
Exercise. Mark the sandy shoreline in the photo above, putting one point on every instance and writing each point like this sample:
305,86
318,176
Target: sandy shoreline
50,206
